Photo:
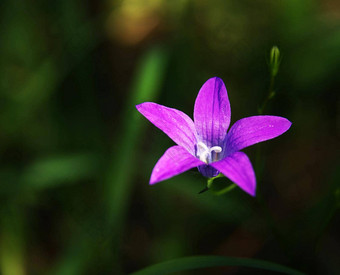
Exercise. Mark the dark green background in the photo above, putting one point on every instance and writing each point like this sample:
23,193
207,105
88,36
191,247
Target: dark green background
76,156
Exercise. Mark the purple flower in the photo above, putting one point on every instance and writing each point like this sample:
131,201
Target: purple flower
205,142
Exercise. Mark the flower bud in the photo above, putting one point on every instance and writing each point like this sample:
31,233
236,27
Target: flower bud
274,60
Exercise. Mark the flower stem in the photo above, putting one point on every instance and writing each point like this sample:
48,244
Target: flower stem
259,162
219,192
274,65
271,94
225,190
211,180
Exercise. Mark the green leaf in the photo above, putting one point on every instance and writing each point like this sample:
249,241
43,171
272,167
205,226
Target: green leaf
195,262
146,86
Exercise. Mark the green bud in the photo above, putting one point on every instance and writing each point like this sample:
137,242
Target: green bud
274,60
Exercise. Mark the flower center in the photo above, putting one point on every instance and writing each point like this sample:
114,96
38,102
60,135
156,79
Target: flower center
206,154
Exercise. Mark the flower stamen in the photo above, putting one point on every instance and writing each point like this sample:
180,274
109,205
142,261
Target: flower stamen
204,153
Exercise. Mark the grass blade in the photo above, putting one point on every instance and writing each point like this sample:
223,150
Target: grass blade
196,262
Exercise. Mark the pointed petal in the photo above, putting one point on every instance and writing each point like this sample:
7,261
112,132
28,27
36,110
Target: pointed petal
251,130
237,167
212,112
175,160
176,124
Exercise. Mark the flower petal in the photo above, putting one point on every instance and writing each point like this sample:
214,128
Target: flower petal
237,167
175,160
251,130
212,112
176,124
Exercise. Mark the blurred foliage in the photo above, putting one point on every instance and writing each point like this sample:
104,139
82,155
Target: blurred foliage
189,263
76,156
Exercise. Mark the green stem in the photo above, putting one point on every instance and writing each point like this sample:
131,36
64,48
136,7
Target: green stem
220,192
211,180
270,95
225,190
263,205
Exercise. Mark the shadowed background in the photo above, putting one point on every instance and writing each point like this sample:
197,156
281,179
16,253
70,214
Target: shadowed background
76,156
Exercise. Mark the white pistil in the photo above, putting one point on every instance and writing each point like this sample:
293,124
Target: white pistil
204,152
